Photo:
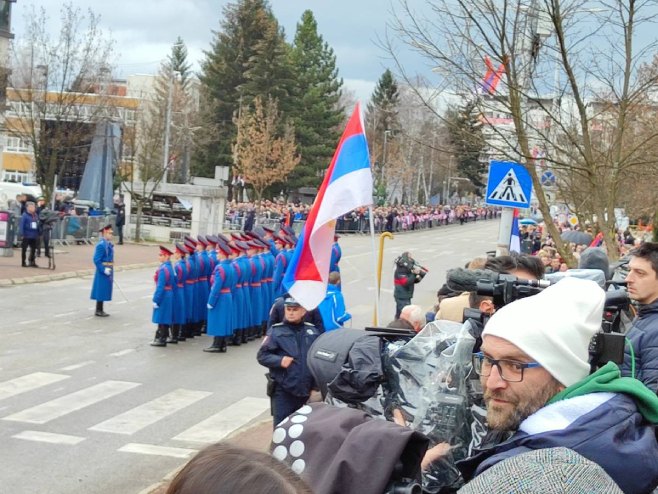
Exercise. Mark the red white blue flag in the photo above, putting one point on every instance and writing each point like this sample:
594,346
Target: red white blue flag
347,185
492,76
515,237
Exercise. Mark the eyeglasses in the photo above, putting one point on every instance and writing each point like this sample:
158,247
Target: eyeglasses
509,370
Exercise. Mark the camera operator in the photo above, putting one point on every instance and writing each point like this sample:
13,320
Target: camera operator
535,376
407,273
642,283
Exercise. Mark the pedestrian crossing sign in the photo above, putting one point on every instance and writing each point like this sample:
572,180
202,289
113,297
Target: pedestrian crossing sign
509,185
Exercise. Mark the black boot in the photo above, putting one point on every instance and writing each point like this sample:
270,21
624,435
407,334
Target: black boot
222,347
197,329
263,330
99,310
216,346
160,336
245,335
173,334
187,329
204,329
237,337
181,332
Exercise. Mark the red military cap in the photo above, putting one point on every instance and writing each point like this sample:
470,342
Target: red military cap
180,249
202,240
165,252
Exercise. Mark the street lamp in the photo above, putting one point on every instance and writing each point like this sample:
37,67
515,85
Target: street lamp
165,155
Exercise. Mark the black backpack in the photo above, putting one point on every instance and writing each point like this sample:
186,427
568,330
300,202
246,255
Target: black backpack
348,362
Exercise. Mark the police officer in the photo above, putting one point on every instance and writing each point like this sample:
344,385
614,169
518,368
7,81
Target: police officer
101,290
284,352
163,298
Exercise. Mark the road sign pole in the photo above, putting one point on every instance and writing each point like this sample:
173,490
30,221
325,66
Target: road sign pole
504,231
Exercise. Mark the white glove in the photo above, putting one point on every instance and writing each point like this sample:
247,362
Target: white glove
108,271
209,306
155,306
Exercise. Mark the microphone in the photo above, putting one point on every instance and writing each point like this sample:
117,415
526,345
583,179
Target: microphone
466,280
596,275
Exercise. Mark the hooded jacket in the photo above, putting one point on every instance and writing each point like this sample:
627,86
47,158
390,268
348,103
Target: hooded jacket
644,338
605,418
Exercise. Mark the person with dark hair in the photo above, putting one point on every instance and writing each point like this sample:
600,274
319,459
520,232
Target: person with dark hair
641,358
407,274
520,265
225,469
120,221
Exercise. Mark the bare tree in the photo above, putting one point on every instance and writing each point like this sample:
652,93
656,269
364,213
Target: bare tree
58,88
583,125
262,154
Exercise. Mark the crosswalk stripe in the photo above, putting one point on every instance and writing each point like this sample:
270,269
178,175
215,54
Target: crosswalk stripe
28,382
150,449
64,405
220,425
48,437
149,413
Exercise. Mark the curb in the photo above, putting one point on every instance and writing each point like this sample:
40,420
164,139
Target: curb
69,274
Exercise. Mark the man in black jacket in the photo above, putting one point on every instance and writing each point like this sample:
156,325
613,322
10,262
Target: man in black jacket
643,288
284,352
407,274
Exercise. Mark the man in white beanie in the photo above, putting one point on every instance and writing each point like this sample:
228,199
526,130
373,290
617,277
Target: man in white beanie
535,374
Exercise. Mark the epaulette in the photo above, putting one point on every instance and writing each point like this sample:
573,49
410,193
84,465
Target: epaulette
277,324
309,324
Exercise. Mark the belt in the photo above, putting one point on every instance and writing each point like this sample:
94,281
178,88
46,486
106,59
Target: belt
179,285
190,282
108,264
254,284
203,278
168,288
225,290
238,285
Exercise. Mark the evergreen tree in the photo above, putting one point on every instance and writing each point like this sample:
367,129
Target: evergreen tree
234,72
317,113
465,136
383,106
177,61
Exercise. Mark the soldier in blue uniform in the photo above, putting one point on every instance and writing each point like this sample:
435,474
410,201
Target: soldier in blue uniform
284,352
238,294
280,265
163,298
270,239
202,288
180,313
220,302
247,304
255,290
101,290
336,254
191,275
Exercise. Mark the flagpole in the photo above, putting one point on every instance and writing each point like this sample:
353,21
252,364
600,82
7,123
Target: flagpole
374,263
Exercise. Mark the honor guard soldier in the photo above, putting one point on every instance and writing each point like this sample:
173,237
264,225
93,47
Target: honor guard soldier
202,285
180,311
255,290
190,288
240,335
238,295
220,301
101,290
163,298
280,265
284,352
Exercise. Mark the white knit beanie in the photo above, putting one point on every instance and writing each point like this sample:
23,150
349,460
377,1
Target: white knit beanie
554,327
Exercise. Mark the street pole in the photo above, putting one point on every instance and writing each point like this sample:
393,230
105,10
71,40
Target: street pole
165,154
101,202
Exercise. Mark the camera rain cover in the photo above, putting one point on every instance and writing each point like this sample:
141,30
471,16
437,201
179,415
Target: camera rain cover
427,379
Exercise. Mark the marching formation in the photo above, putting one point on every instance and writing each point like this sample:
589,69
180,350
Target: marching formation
220,285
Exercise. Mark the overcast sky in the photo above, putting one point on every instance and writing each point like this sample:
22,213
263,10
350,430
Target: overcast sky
144,31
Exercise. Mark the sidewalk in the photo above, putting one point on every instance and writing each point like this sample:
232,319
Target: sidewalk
73,261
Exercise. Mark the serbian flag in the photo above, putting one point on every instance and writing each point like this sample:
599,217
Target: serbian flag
492,76
515,237
347,185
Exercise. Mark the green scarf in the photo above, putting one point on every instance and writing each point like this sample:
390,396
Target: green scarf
608,380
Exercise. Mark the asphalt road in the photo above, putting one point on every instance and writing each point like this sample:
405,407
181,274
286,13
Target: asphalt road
87,406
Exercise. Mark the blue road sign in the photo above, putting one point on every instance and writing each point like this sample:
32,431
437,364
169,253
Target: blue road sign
548,178
509,185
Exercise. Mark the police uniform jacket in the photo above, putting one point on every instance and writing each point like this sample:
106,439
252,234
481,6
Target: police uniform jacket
101,290
292,340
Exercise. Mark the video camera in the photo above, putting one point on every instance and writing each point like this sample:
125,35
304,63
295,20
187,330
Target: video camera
48,218
606,346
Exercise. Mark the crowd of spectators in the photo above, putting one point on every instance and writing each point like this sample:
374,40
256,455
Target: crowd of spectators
393,219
